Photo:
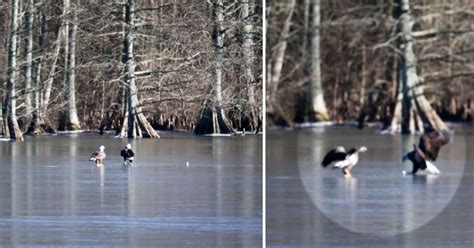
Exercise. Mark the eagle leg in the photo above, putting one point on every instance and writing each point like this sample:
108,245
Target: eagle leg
98,162
347,173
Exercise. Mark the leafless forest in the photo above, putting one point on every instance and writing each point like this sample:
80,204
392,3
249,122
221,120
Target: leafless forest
131,66
407,62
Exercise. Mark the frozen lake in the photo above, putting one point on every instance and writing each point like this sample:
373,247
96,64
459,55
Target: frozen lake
51,195
309,206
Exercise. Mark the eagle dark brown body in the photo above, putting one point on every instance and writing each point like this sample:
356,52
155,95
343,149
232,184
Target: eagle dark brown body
428,150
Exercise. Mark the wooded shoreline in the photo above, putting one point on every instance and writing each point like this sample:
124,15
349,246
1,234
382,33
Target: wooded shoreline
400,62
132,67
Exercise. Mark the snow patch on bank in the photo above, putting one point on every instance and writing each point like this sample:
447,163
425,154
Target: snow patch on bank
218,135
71,132
315,124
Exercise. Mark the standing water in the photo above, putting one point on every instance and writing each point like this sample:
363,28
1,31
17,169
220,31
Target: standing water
181,190
308,205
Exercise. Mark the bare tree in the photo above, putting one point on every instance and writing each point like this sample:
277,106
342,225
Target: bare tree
317,103
213,118
361,44
29,19
169,72
136,124
9,105
247,11
42,90
35,126
48,84
415,107
278,58
72,122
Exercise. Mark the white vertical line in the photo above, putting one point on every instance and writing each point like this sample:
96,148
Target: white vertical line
264,124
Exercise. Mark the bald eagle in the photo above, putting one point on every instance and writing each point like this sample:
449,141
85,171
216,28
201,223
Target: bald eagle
343,160
99,156
427,150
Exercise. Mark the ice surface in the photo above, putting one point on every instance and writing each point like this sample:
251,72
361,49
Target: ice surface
52,195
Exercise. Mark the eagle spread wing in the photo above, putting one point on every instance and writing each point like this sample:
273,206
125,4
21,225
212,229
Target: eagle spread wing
431,143
336,154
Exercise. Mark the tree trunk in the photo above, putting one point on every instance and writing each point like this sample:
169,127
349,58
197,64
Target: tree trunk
38,124
213,119
37,116
72,118
363,79
10,101
29,56
65,35
247,33
269,62
306,7
411,91
412,108
397,114
273,108
50,79
317,111
135,122
280,53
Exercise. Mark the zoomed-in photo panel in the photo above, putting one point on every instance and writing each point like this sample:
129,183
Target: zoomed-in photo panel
131,123
369,123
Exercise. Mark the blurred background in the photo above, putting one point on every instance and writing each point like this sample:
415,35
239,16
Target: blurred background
369,61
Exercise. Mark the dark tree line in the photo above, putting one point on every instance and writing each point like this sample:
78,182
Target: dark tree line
404,63
131,66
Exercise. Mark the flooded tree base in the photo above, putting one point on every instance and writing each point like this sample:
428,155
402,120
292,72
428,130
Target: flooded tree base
39,129
140,128
213,122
